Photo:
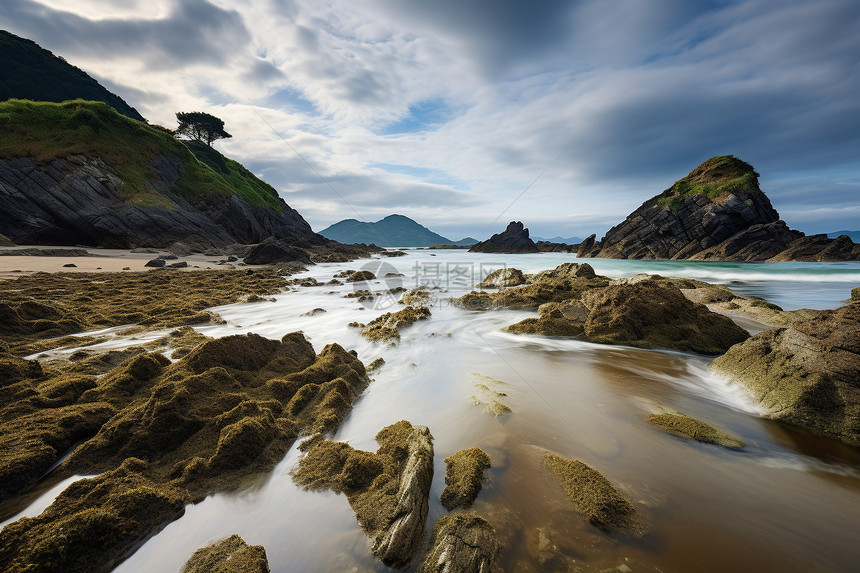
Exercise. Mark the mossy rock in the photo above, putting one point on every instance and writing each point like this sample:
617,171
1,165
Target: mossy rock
687,427
230,555
416,297
462,542
855,294
464,475
594,496
387,327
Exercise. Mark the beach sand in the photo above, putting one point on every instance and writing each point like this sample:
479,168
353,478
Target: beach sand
102,260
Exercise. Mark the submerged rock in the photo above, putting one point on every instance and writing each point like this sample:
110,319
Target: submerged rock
807,374
462,542
464,475
389,490
684,426
645,314
230,555
514,239
387,326
593,496
502,278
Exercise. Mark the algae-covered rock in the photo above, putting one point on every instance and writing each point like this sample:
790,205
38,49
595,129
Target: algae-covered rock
807,375
92,524
855,294
593,496
388,490
416,297
360,276
230,555
462,542
646,314
464,475
687,427
387,326
502,278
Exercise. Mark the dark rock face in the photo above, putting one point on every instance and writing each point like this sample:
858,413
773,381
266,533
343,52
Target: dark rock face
273,251
462,542
717,212
78,200
807,375
514,239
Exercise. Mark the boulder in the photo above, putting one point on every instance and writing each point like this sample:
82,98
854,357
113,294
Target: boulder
389,490
806,375
502,278
464,475
273,251
156,263
230,555
514,239
462,542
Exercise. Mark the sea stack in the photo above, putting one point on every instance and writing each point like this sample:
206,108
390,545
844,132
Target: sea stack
717,212
514,239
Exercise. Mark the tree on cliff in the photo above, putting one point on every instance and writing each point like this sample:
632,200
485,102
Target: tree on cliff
201,126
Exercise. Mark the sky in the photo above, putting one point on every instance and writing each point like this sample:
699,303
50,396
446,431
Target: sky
464,115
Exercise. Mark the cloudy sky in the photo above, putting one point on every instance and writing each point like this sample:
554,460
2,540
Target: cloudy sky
466,114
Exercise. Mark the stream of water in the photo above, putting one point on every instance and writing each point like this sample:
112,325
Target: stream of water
787,502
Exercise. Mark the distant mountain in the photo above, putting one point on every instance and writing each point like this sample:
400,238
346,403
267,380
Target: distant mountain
392,231
467,242
854,235
28,71
560,239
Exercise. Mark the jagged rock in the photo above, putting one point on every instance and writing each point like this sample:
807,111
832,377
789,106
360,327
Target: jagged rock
807,374
273,251
646,314
550,247
462,542
717,212
502,278
389,490
514,239
464,475
230,555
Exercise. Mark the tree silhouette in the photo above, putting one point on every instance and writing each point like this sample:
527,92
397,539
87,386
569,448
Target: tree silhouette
201,126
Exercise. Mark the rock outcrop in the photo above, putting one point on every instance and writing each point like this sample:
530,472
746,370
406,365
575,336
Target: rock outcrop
462,542
464,475
389,490
230,555
514,239
807,374
717,212
688,427
503,278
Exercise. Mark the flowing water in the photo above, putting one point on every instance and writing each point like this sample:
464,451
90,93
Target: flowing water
789,501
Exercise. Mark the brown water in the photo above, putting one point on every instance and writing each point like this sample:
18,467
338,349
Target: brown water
787,502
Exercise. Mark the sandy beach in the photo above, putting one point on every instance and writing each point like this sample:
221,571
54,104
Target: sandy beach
100,260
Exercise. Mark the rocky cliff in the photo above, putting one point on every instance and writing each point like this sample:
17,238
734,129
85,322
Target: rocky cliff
80,173
514,239
717,212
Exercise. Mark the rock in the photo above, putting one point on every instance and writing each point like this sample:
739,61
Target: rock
155,263
416,297
855,294
678,424
717,212
179,265
273,251
462,542
376,364
230,555
168,257
514,239
593,496
314,312
387,326
502,278
389,490
6,241
646,314
70,265
550,247
806,375
464,475
359,276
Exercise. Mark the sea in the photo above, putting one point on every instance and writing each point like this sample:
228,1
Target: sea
788,501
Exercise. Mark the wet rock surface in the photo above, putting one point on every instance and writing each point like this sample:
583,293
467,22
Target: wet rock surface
593,496
807,374
514,239
717,212
389,490
462,542
230,555
387,327
685,426
501,278
464,476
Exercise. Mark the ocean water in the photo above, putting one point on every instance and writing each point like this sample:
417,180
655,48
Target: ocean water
788,501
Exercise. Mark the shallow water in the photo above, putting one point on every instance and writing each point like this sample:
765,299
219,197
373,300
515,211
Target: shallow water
789,501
